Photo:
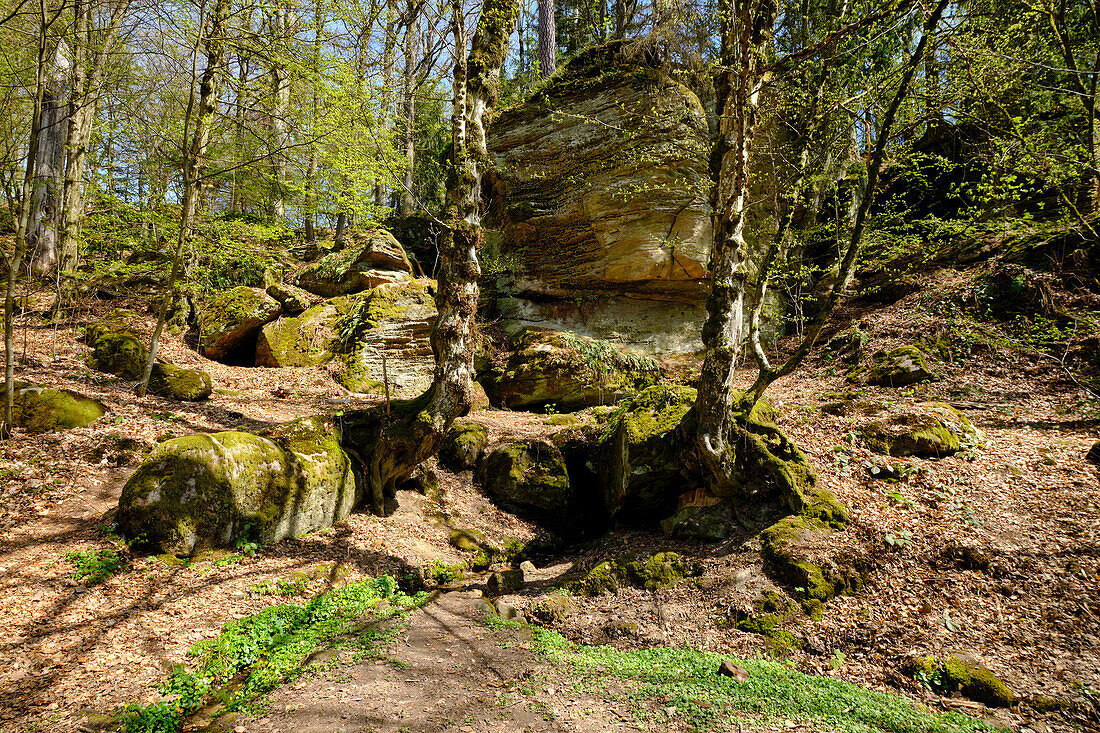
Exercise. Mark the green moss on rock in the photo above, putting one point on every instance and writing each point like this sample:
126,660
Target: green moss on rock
372,258
778,641
899,368
119,353
177,383
528,474
976,682
231,319
653,572
205,491
46,410
790,548
597,581
463,445
305,340
929,430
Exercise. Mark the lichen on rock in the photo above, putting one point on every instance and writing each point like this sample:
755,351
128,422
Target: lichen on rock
928,429
230,322
372,258
530,475
899,368
178,383
304,340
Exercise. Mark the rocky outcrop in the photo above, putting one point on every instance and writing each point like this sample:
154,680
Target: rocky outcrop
393,322
204,491
529,475
177,383
567,371
600,209
928,429
463,445
371,258
305,340
46,410
293,300
899,368
230,322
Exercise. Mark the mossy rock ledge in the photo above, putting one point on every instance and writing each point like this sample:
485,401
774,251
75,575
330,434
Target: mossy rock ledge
927,429
652,572
230,322
293,300
45,410
211,491
305,340
568,371
372,258
962,674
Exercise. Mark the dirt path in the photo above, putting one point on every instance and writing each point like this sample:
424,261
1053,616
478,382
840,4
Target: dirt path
442,669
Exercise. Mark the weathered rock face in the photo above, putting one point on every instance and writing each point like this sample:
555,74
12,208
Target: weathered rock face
305,340
371,258
231,321
600,186
45,410
395,320
119,353
899,368
568,371
205,491
293,300
463,445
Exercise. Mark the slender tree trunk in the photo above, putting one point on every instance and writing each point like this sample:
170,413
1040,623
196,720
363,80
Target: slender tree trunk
280,128
412,31
389,71
312,165
49,152
203,111
746,29
388,445
235,192
548,39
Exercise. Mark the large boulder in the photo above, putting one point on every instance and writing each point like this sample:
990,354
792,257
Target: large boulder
528,475
567,371
463,445
44,410
119,353
215,490
305,340
391,323
230,323
371,258
600,216
928,429
899,368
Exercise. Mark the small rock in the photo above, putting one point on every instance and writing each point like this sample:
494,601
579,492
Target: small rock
734,670
507,611
527,567
505,581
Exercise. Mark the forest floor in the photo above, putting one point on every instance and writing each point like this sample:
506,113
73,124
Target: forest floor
1026,504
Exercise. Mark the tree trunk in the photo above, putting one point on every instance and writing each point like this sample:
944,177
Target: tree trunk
746,29
389,445
312,165
45,203
280,128
548,39
194,165
412,30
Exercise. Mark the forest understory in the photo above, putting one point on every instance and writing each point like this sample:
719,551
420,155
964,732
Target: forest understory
989,553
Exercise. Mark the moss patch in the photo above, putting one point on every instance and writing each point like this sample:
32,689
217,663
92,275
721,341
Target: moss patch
899,368
45,410
177,383
119,353
929,430
463,445
789,548
653,572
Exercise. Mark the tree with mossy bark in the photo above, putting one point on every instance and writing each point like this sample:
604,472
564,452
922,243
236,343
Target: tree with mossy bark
745,71
389,440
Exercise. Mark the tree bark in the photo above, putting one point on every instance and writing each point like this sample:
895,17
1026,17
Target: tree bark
746,29
389,445
548,39
280,128
44,216
412,30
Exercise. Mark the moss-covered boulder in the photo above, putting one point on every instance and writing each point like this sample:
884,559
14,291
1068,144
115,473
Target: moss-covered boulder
180,311
46,410
178,383
305,340
463,445
567,371
119,353
778,642
929,430
293,300
215,490
899,368
391,323
640,467
230,322
808,555
963,675
371,258
119,319
529,475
